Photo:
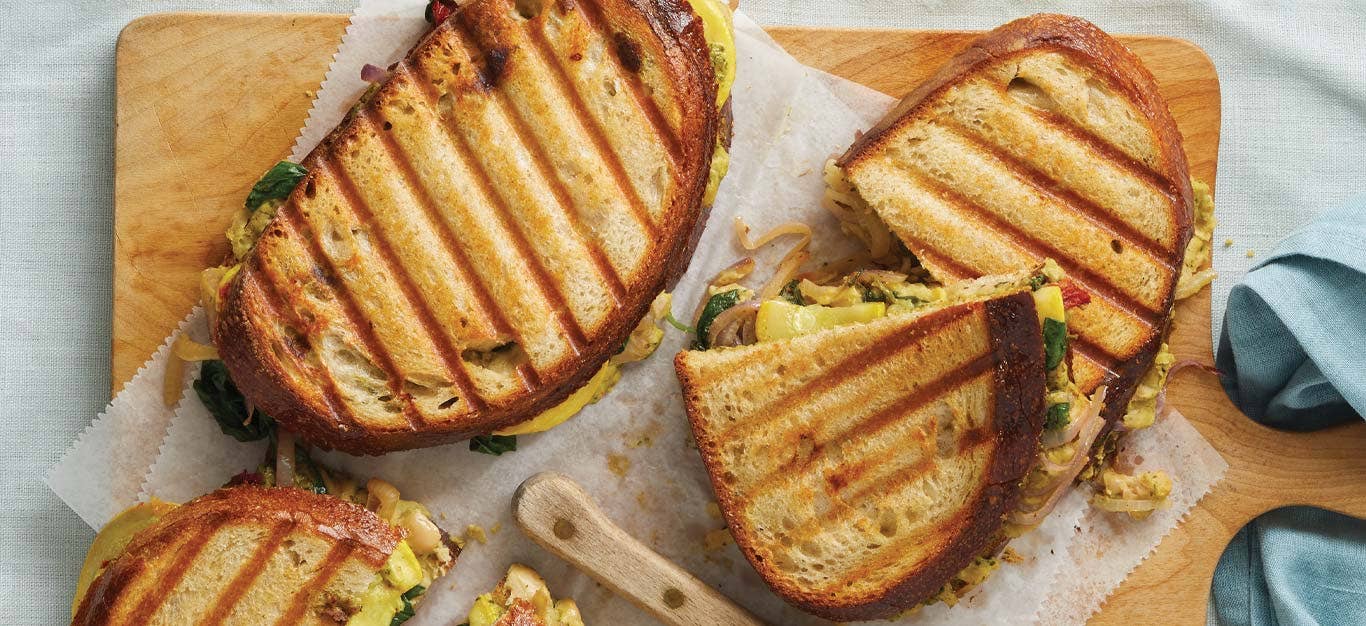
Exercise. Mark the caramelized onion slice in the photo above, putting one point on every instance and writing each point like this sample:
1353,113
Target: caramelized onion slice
1085,438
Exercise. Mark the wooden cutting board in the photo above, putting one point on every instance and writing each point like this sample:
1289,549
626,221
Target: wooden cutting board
206,102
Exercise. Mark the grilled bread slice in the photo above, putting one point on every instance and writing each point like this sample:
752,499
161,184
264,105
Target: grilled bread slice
1045,138
861,467
247,555
484,230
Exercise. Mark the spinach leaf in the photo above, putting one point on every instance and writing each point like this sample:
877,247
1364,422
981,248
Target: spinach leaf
715,306
1058,416
221,397
406,613
870,294
494,444
1054,342
276,184
792,293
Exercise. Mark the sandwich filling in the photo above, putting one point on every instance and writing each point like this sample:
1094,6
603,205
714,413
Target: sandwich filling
523,598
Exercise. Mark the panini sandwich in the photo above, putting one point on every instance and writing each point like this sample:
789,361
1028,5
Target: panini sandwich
1046,138
468,249
868,461
264,555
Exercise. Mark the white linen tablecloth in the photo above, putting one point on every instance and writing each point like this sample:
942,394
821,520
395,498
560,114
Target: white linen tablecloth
1293,76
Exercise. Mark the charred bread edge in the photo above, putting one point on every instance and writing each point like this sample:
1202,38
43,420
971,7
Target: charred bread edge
371,539
687,59
1125,72
1017,346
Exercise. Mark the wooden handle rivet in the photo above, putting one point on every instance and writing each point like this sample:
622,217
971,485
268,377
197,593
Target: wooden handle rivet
564,529
673,598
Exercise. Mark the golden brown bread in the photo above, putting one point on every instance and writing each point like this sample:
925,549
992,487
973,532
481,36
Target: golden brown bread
485,230
1045,138
861,467
243,555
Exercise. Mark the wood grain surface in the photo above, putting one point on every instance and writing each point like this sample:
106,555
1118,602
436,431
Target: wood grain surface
206,102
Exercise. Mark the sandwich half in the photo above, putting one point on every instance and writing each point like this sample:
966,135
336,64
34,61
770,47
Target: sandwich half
486,228
1046,138
249,554
869,461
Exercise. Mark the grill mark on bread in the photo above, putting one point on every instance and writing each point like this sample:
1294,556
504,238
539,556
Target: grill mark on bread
879,420
1078,271
449,243
940,260
355,318
407,287
891,552
559,306
593,17
330,565
452,245
250,571
838,514
528,140
268,286
1097,354
848,367
1107,150
166,581
1057,192
591,127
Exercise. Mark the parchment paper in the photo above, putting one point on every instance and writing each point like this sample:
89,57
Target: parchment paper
788,120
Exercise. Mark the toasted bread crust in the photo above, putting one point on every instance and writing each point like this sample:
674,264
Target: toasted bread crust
324,418
1125,73
1017,357
368,538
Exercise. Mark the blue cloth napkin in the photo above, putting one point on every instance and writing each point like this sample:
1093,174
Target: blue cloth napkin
1291,353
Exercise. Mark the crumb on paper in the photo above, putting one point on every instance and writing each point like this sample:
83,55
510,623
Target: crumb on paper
643,499
1009,555
803,172
713,510
1251,253
1228,243
645,437
716,539
496,527
476,532
619,464
442,516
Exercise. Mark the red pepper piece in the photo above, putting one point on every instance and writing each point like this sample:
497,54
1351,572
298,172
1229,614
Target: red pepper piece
1072,295
440,11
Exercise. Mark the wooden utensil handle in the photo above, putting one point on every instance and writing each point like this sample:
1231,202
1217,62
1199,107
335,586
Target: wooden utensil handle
555,511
